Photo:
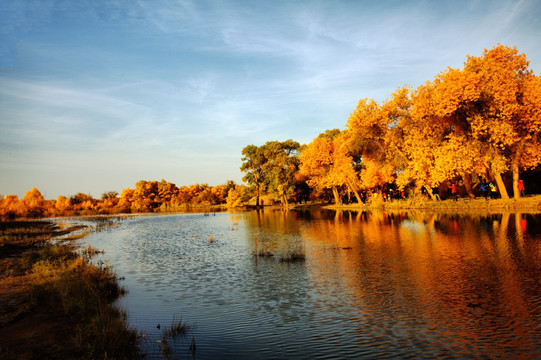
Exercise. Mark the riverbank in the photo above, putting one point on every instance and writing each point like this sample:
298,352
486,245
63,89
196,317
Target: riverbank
530,204
55,303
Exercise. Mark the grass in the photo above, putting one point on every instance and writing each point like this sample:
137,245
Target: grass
293,255
177,329
263,251
530,204
56,304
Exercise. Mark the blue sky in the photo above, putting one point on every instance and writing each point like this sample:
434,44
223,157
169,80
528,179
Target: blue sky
97,95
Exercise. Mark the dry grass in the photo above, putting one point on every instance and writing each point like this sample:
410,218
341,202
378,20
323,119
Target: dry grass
262,251
529,204
177,329
58,304
293,255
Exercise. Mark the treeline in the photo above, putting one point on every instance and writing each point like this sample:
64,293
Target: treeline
147,196
456,134
459,132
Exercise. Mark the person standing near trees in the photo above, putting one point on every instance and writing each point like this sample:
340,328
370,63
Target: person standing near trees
454,191
493,190
521,188
483,188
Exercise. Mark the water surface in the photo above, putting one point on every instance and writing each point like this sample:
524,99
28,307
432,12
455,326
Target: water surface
372,285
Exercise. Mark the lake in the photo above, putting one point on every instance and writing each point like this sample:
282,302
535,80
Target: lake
340,284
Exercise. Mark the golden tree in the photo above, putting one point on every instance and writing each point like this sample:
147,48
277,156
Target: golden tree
376,140
484,115
435,140
508,112
316,162
328,164
34,203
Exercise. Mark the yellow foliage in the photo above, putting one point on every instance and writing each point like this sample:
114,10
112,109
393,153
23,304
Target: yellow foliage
327,163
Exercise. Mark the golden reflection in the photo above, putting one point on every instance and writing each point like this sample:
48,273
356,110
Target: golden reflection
457,274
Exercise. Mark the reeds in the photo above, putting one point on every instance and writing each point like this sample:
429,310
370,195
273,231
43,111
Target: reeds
289,254
293,255
84,293
263,251
177,329
66,290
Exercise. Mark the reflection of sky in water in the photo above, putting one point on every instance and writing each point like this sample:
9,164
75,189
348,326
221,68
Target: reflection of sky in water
413,226
373,284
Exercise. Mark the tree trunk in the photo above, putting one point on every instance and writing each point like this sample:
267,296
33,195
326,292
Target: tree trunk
285,202
516,191
467,184
359,201
335,194
501,186
429,191
257,196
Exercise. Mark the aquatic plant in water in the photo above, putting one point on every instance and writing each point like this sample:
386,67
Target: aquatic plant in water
293,255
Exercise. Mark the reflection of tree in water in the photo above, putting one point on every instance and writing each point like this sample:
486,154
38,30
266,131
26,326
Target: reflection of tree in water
461,278
277,289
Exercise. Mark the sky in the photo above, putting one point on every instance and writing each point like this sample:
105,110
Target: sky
97,95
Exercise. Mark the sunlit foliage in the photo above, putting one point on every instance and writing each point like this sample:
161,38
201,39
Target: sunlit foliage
328,164
147,196
272,168
479,122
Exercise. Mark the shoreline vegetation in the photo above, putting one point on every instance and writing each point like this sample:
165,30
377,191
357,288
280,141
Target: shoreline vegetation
530,204
55,303
34,206
58,305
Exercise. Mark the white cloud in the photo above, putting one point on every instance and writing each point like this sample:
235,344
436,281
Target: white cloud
157,89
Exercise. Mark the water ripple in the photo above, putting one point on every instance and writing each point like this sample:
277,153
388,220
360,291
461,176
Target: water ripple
369,287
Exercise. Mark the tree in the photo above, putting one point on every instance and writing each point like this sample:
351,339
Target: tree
316,162
109,200
109,195
11,207
280,168
183,196
34,203
166,191
507,115
62,203
82,201
435,141
126,200
328,163
374,137
484,117
252,164
145,196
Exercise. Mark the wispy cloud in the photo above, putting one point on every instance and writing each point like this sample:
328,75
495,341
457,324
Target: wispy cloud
175,89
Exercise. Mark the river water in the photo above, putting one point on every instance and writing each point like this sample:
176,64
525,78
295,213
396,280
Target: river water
363,285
